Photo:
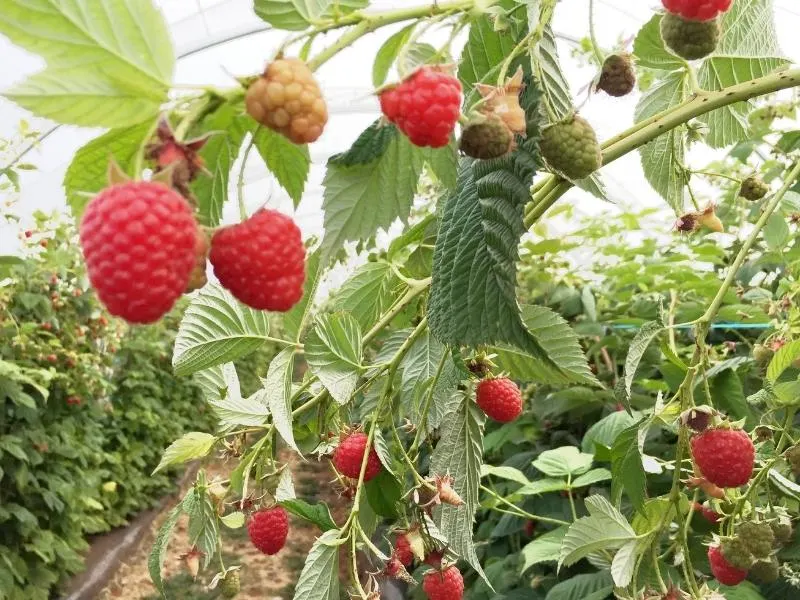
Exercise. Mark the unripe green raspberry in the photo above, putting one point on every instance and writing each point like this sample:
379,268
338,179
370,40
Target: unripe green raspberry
792,456
485,137
782,529
571,148
689,39
765,571
737,554
753,188
757,538
231,585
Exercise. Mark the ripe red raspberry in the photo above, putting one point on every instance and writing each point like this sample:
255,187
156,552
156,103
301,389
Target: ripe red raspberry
443,585
425,106
697,10
138,239
350,452
725,457
268,529
402,550
722,570
500,399
261,261
708,514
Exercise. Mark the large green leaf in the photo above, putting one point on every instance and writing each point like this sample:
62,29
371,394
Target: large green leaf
278,394
319,579
472,299
159,551
664,157
334,351
604,529
748,49
87,174
293,15
649,49
319,514
636,351
192,445
362,197
586,586
627,468
367,293
544,548
109,63
560,343
217,329
459,453
387,54
566,461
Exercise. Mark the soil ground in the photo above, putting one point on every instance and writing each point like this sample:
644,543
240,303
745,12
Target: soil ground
262,577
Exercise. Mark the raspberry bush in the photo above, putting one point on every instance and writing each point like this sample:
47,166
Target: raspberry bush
640,438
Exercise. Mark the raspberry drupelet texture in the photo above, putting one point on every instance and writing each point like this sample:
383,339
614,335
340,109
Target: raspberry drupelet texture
691,40
722,570
697,10
725,457
261,261
268,529
425,106
287,99
443,585
402,550
138,239
350,452
571,147
500,399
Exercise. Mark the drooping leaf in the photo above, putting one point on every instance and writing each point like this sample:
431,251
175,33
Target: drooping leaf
277,392
319,514
192,445
664,157
627,468
297,317
203,528
217,329
159,551
560,343
285,490
604,529
362,197
387,54
288,162
319,579
624,563
636,351
460,454
334,351
782,360
87,174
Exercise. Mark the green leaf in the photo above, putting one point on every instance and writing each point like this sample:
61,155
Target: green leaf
203,528
416,55
624,563
319,514
542,486
382,450
544,548
509,473
604,529
334,351
233,520
218,382
219,153
192,445
364,197
75,96
460,454
319,579
285,490
311,10
383,493
87,174
563,462
367,294
636,351
277,393
664,157
217,329
627,469
235,410
297,316
776,232
747,50
605,431
159,551
388,53
288,162
286,14
591,477
559,342
586,586
649,49
782,360
784,485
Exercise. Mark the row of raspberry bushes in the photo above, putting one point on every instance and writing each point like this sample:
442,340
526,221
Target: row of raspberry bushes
87,408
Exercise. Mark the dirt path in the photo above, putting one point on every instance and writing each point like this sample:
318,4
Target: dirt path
263,577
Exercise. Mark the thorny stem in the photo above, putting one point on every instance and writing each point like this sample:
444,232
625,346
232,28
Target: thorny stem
364,23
